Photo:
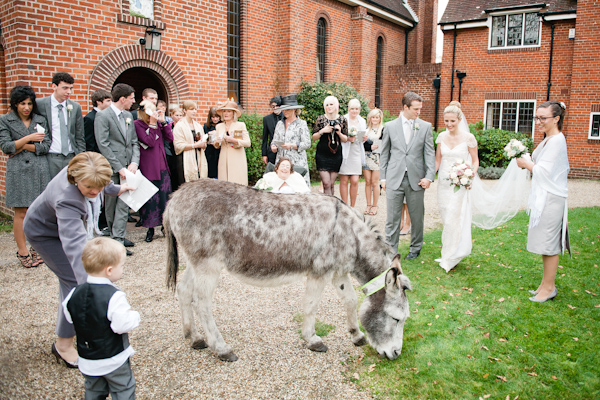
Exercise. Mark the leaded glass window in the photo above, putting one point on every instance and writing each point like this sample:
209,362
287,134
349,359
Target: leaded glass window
510,115
321,38
498,31
595,126
515,30
233,49
378,69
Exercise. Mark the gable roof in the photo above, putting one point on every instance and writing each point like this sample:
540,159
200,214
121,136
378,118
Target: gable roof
398,7
475,10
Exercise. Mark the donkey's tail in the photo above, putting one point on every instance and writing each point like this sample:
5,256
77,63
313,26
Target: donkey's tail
172,256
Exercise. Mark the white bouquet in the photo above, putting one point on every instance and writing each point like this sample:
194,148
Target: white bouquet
514,149
262,185
461,174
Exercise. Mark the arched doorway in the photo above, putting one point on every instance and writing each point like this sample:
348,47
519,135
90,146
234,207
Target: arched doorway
141,78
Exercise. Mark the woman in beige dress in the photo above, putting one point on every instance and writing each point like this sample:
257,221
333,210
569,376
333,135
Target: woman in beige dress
189,142
232,138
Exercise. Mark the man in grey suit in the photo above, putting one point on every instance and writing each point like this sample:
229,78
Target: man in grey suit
407,168
65,122
118,142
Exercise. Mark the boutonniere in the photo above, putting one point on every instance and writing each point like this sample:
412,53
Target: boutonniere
417,126
127,121
69,108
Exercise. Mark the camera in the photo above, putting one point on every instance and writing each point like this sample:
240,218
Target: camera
333,122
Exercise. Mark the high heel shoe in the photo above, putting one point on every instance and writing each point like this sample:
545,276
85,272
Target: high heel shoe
550,297
150,235
533,292
59,358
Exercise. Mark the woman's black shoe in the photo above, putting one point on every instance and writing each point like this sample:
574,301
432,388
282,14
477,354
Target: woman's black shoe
139,223
150,235
59,358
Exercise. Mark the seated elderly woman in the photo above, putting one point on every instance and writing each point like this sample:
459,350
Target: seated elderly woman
283,179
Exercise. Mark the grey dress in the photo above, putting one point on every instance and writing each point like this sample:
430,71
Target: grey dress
27,173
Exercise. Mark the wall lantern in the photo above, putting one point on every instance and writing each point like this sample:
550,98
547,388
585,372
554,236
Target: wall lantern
460,76
151,39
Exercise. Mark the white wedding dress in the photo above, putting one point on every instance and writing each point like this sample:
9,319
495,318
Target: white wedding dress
454,207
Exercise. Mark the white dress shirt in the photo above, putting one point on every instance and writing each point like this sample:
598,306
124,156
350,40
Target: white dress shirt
122,319
56,145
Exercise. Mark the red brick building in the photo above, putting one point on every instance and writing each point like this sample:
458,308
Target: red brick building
516,54
247,49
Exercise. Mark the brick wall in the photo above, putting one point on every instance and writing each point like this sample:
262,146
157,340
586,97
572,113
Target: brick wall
416,78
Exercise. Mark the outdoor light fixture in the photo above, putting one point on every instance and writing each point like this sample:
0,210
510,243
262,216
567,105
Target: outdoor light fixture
151,39
460,76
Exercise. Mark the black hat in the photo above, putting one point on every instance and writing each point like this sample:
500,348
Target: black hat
289,102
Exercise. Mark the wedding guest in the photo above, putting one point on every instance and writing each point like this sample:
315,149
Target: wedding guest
101,99
331,130
232,137
175,163
284,179
102,317
65,123
161,106
548,213
353,153
147,94
153,164
372,146
292,135
212,153
269,124
189,141
56,227
26,145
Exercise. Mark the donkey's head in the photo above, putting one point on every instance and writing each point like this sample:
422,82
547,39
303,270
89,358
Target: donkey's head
383,312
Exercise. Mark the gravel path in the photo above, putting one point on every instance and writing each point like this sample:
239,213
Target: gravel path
258,323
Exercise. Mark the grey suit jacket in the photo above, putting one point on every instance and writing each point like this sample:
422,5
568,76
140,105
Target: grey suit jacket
418,158
119,150
74,122
59,213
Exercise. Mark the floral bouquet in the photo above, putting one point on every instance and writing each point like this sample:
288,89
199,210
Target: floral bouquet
514,149
461,174
352,132
262,185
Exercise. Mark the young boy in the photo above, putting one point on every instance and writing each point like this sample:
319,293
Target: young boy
102,317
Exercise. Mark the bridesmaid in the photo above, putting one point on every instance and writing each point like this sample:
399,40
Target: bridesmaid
27,171
353,153
232,137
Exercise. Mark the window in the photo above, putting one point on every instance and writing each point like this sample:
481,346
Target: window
594,126
510,115
378,68
142,8
515,30
233,50
321,37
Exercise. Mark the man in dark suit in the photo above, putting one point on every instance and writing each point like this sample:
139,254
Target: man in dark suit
118,142
407,168
65,122
101,99
269,123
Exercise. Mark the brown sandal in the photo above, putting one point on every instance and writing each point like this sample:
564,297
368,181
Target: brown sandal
37,260
374,210
368,210
26,261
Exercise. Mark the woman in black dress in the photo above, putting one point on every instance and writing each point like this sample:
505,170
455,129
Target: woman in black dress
212,153
331,129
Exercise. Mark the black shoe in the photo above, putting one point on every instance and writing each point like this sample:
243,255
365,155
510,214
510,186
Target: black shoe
128,252
105,232
412,255
131,219
59,358
139,223
128,243
150,235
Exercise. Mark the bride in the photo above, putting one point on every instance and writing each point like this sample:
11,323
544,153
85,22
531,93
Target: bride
454,144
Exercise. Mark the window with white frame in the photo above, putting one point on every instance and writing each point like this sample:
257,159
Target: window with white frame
594,126
515,30
510,115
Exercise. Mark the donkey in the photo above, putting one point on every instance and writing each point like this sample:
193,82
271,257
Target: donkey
268,239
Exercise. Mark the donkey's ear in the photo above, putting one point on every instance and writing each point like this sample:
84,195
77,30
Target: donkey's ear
396,263
391,280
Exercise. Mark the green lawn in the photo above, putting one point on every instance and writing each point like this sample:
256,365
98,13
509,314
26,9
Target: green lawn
473,333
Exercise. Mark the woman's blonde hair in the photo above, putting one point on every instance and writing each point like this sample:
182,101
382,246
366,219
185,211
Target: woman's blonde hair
452,109
188,105
455,103
334,100
142,110
102,252
372,113
91,167
354,103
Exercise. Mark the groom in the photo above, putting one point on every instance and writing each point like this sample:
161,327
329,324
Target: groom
407,168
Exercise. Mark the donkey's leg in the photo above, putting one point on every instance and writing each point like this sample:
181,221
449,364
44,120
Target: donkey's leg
312,298
345,290
205,287
185,292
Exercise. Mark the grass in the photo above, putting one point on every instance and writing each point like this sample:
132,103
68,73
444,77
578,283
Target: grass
5,223
321,329
473,333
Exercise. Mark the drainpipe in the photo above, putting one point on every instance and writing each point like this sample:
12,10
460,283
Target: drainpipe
406,32
436,84
453,60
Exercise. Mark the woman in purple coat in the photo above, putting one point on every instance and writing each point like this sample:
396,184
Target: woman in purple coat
153,163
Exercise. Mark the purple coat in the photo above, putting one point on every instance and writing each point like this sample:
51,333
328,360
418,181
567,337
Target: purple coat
152,150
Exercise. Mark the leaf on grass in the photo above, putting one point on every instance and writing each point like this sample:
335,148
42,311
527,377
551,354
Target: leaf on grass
494,358
486,335
437,277
574,290
576,339
485,375
487,396
437,316
372,367
593,294
485,348
571,307
468,312
429,363
502,378
597,306
560,266
416,310
553,377
418,303
356,376
501,299
419,335
469,356
451,294
429,324
502,340
532,373
431,309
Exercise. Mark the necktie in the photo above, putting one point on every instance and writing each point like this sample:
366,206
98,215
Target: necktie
122,122
408,131
64,131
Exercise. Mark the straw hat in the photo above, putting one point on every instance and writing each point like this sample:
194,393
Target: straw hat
289,102
230,104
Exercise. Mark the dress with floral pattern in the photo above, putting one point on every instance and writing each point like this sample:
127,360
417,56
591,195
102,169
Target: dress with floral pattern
296,133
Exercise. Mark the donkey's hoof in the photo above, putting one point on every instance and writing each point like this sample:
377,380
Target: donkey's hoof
361,342
231,357
318,347
199,344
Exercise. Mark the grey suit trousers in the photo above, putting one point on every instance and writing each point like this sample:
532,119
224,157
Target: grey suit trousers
120,384
415,201
56,162
116,214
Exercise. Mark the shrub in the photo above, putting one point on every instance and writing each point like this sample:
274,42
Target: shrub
491,142
490,172
256,167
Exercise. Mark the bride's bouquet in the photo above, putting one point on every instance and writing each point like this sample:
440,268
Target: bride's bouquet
514,149
461,174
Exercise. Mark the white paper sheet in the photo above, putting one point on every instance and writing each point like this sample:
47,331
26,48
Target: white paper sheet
144,190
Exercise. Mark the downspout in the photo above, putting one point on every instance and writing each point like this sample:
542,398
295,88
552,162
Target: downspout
453,60
406,32
549,84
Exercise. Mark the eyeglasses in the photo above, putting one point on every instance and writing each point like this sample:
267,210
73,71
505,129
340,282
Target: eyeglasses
274,106
541,119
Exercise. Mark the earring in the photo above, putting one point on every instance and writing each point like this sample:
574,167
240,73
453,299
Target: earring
75,183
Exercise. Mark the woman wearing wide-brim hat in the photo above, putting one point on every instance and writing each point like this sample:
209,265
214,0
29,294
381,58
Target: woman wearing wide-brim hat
232,137
292,138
